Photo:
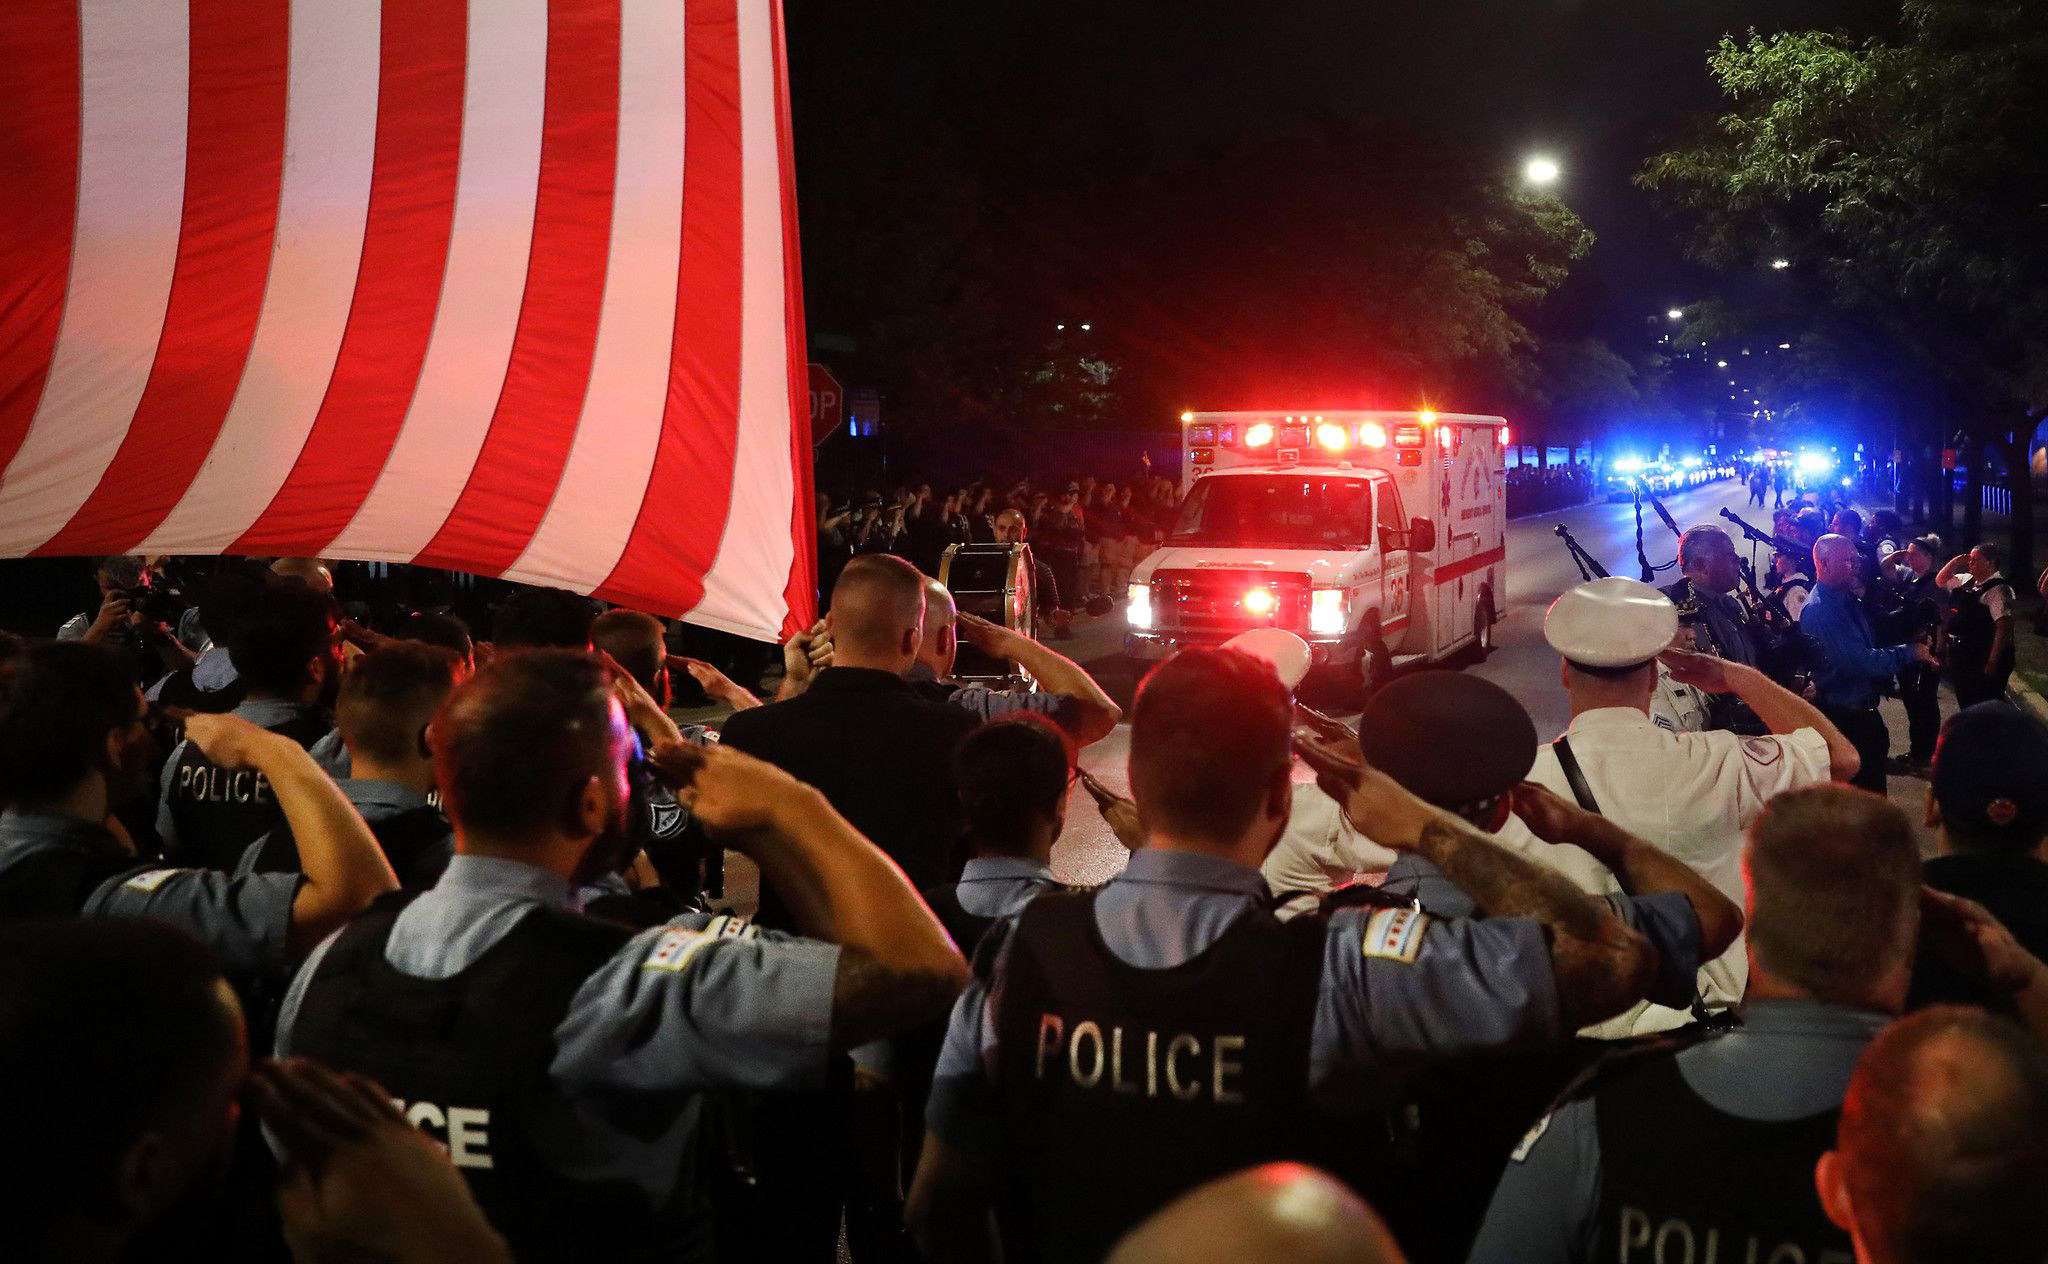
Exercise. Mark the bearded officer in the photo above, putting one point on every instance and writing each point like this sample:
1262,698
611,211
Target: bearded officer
562,1058
1690,794
1124,1045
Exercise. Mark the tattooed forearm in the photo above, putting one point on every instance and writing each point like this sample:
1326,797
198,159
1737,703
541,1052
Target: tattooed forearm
1602,966
1503,884
871,1000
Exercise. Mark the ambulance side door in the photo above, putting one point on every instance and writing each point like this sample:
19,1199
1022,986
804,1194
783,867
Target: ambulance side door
1396,572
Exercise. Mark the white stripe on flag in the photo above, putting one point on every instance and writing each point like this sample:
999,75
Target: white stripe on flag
323,202
743,590
598,500
488,247
133,62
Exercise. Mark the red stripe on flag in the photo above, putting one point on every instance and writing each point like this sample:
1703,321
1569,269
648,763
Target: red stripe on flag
520,464
39,122
801,592
398,286
683,511
234,168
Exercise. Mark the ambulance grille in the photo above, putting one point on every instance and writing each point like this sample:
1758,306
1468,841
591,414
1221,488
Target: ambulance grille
1213,601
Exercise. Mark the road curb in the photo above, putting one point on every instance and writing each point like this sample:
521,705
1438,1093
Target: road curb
2023,693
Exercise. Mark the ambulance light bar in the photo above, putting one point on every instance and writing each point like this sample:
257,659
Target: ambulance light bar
1407,436
1201,434
1259,435
1330,437
1372,435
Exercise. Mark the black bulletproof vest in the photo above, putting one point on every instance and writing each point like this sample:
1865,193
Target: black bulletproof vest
1970,625
411,841
468,1057
218,811
57,881
1682,1180
966,928
1123,1088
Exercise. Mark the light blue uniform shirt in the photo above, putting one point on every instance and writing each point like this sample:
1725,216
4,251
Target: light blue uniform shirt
1000,886
1788,1060
1667,919
246,920
1466,987
701,1003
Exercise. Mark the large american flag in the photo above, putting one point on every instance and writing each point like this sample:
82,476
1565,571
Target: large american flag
504,286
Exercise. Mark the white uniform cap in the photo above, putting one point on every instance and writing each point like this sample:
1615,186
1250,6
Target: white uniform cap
1287,654
1611,622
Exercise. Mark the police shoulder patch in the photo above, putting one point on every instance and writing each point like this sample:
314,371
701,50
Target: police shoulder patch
1396,935
674,948
151,880
1520,1154
1763,751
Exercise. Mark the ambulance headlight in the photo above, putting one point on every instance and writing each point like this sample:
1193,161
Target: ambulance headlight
1138,613
1328,611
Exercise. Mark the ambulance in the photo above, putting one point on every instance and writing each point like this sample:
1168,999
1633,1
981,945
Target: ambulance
1378,537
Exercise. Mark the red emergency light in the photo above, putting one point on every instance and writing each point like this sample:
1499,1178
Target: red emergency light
1331,437
1408,436
1260,602
1258,435
1372,435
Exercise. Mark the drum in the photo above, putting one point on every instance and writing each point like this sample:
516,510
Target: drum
996,582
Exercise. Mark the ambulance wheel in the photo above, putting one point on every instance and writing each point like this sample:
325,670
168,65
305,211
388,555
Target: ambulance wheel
1482,628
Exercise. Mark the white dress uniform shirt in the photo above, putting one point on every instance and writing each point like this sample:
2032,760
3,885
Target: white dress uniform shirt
1692,795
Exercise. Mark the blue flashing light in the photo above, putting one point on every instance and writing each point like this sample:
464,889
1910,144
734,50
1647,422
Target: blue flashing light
1815,462
1627,464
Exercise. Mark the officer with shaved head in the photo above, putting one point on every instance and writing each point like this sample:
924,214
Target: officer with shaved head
1852,665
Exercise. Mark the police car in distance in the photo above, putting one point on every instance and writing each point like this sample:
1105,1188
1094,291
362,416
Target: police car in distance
1378,537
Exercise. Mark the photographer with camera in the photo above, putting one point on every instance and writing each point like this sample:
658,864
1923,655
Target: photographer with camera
137,614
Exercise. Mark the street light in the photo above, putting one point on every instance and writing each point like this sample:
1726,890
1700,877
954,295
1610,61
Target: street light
1542,170
1677,313
1779,265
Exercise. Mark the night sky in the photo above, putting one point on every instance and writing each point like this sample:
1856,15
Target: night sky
1598,83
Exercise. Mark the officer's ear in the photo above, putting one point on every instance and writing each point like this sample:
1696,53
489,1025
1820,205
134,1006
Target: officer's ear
144,1177
1833,1184
591,811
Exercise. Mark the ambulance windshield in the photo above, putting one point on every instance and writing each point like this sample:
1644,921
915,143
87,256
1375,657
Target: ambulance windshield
1294,511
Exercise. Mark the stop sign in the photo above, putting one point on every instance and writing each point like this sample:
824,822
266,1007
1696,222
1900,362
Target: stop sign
828,404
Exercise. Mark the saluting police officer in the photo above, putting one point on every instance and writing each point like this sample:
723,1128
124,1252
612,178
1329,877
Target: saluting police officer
1121,1046
559,1057
73,750
284,652
1708,1150
1690,794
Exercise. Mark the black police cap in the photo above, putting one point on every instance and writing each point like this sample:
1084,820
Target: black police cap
1450,738
1991,773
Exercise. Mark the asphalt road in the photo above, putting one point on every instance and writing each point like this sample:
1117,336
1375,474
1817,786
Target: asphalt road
1538,570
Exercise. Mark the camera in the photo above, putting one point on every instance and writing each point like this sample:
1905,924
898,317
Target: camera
155,605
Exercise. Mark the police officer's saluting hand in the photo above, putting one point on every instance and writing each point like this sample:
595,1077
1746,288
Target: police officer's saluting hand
341,865
1602,966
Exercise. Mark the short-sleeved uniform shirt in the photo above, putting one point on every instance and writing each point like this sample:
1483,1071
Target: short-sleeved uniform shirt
702,1002
245,920
1386,1002
1789,1060
1692,796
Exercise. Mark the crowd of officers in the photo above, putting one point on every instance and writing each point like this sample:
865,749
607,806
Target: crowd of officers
441,918
1848,613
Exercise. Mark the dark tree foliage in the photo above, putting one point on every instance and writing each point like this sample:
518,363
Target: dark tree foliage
1905,181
